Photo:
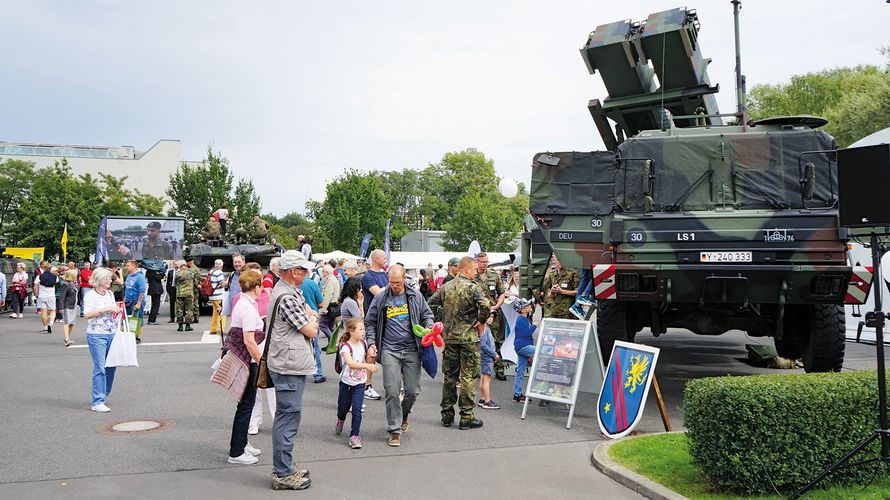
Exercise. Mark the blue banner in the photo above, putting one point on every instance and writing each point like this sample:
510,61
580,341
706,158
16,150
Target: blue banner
386,240
101,247
365,242
625,387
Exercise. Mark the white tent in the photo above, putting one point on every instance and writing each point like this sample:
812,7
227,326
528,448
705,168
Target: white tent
419,260
336,255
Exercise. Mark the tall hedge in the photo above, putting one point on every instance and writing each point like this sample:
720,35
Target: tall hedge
745,431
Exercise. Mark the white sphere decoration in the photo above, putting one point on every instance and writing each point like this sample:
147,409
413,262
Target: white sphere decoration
508,187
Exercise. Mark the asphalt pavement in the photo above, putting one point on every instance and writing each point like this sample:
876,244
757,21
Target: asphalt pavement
51,447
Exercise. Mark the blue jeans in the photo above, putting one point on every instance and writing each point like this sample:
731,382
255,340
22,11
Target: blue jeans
103,377
242,414
130,305
288,413
350,398
586,284
318,371
521,360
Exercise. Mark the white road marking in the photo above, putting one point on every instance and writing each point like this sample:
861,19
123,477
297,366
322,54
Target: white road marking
205,339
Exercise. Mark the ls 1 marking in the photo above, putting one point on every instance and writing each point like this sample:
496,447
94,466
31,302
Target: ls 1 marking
685,236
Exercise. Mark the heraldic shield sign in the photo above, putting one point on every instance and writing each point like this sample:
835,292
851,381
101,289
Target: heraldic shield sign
625,387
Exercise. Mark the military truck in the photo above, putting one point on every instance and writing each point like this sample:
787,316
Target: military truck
691,222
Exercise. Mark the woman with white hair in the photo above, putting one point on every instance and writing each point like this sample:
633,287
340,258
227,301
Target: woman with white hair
100,309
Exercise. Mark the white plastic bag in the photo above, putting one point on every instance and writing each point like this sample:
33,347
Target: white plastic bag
122,351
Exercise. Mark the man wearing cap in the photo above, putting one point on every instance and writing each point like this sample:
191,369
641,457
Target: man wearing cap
452,269
154,248
292,326
523,343
493,288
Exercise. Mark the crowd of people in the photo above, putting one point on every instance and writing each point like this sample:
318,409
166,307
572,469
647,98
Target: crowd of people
368,312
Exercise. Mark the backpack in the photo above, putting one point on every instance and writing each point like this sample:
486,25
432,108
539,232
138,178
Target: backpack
425,288
206,286
338,364
48,279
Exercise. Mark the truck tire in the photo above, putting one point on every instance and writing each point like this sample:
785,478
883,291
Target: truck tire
796,332
611,325
825,349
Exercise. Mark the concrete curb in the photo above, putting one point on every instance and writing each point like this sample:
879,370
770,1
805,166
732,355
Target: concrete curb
640,484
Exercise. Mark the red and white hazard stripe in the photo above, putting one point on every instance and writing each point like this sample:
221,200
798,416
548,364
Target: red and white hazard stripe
860,284
604,282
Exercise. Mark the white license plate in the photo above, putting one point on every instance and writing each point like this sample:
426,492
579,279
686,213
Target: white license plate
725,257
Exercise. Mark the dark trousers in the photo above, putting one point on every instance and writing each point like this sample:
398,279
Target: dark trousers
242,414
171,295
222,227
18,303
351,397
155,306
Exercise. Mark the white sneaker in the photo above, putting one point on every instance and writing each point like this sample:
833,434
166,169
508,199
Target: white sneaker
248,448
370,393
244,459
21,316
253,430
101,408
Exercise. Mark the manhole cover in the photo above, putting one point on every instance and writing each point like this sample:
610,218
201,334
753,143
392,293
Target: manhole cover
130,427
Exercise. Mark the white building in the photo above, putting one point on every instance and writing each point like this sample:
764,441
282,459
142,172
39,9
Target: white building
148,171
427,240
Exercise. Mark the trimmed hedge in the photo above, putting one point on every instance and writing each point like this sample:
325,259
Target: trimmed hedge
745,431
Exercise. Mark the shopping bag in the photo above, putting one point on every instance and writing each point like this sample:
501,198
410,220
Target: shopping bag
122,351
429,361
332,342
134,323
232,374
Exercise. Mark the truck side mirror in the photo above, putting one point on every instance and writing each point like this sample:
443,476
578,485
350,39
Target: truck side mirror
808,183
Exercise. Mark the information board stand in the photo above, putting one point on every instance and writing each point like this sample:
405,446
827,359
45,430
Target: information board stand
559,361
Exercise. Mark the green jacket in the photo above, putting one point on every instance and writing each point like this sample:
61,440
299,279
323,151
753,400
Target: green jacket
463,305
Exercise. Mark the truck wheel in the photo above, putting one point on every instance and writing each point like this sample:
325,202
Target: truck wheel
825,349
796,332
612,325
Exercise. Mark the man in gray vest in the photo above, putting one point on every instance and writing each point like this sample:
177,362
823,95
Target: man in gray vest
292,326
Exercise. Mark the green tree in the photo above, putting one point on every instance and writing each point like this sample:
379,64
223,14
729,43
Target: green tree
493,225
16,177
196,191
855,100
355,203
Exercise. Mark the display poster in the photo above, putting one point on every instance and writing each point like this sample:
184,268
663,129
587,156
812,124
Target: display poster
143,238
559,358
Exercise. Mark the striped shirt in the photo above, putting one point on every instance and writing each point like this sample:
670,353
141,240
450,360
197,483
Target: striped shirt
217,278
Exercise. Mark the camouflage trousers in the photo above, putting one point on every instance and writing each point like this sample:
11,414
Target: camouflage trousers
463,361
498,332
185,309
196,305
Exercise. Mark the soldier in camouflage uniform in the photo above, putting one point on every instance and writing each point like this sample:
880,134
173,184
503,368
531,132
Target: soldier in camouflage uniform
240,236
257,230
154,248
559,289
211,230
464,311
493,289
185,297
196,279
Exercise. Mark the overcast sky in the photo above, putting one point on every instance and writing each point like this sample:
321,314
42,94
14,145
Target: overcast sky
294,93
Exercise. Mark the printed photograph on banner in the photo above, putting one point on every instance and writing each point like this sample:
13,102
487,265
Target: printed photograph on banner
557,361
144,238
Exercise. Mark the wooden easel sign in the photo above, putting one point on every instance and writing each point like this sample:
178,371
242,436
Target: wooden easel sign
625,387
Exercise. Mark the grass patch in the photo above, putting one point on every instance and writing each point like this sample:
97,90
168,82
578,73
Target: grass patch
665,459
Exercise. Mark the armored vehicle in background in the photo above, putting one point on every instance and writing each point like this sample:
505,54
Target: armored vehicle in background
206,253
690,223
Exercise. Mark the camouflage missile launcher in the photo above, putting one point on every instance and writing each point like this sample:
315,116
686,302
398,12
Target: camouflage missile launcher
690,223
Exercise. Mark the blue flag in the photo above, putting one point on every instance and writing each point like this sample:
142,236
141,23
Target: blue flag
365,242
625,387
101,247
386,241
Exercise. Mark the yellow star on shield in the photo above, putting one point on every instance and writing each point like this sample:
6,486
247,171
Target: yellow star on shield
607,407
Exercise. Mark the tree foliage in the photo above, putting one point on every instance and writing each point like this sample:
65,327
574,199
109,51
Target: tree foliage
196,191
39,202
458,195
855,100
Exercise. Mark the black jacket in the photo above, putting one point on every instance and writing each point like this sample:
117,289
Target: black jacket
419,313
